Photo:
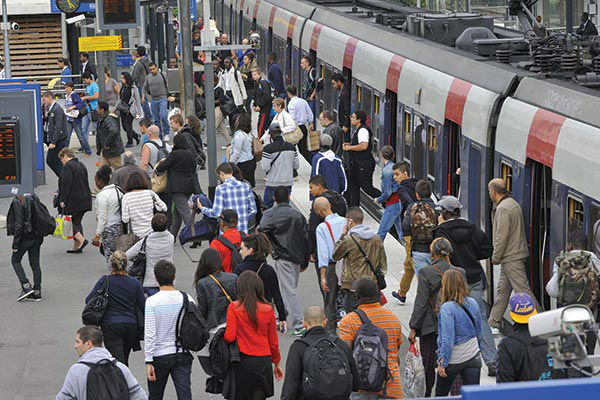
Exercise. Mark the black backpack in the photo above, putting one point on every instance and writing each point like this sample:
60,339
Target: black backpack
326,372
190,331
42,222
220,356
538,365
370,351
105,381
236,257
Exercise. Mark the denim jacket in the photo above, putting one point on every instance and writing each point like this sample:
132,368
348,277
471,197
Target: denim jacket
455,327
388,184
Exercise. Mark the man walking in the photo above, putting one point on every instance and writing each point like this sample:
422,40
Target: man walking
332,129
339,83
287,229
109,145
230,79
328,165
279,161
309,89
155,85
130,166
510,249
140,69
263,101
301,112
57,136
87,67
275,76
92,94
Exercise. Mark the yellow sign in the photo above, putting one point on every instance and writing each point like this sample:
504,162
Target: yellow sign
100,43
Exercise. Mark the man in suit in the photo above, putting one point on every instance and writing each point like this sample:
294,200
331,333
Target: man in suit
56,132
87,66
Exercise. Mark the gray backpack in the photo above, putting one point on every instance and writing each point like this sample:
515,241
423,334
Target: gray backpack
370,351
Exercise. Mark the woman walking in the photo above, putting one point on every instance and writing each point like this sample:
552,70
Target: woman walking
108,213
125,302
241,148
459,335
112,90
127,109
251,322
138,205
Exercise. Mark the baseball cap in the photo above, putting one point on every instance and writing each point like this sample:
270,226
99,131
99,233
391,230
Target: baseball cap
326,140
229,216
521,307
448,203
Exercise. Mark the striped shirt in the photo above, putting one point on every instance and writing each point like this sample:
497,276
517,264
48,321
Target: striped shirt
138,207
387,320
161,314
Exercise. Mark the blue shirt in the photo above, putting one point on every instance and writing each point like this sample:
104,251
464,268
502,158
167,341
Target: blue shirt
455,327
235,195
325,243
300,111
63,78
91,90
388,183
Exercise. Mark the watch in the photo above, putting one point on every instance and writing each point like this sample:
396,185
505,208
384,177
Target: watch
67,6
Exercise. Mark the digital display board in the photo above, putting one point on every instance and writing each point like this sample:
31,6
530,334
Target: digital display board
9,152
118,14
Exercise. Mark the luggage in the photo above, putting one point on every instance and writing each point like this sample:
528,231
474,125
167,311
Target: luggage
577,279
64,227
94,310
190,332
105,381
370,351
43,223
198,231
422,222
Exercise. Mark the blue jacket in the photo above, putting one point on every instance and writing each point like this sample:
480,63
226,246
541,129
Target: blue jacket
331,167
388,184
275,75
455,327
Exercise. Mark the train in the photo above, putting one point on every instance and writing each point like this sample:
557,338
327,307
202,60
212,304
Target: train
445,111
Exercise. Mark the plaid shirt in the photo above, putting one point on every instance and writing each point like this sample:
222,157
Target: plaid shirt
235,195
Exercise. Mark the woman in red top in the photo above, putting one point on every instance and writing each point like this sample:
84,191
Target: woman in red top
251,322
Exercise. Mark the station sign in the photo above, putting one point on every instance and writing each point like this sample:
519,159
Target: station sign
100,43
118,14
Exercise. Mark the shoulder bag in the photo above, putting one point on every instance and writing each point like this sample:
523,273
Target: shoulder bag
138,266
126,240
292,137
379,276
94,310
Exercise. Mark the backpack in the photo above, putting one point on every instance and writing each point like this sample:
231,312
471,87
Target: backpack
163,152
42,222
538,365
220,357
105,381
577,279
236,257
326,371
422,222
190,331
370,351
271,86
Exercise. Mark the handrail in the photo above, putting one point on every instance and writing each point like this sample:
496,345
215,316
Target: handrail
47,76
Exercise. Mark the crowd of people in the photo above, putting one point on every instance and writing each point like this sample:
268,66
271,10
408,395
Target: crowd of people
247,280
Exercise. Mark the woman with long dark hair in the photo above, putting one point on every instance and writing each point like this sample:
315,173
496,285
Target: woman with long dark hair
125,109
251,322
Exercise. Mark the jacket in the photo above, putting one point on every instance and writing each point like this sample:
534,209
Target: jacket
292,386
75,384
338,206
262,96
238,89
406,228
57,124
73,187
388,184
279,160
191,142
408,195
141,68
181,172
287,229
470,245
19,221
344,107
337,134
108,137
512,353
91,69
275,75
552,287
331,168
120,176
456,327
423,318
212,302
355,265
510,242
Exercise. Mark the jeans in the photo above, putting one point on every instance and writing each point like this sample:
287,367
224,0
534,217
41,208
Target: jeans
268,196
330,298
288,274
420,260
83,140
145,106
391,216
86,122
488,346
179,366
52,156
160,115
32,247
313,107
470,372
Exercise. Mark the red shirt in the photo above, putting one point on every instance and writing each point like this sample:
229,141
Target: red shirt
234,236
260,340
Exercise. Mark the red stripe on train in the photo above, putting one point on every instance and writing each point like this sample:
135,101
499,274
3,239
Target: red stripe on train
349,52
543,135
455,102
393,73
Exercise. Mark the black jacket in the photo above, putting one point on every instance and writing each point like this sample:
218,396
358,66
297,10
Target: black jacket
512,353
191,142
269,277
19,221
262,96
108,137
91,68
344,109
470,245
338,206
211,301
57,125
408,195
288,231
406,229
181,172
73,187
292,386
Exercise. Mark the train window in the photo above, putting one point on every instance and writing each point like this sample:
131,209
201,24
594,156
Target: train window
407,135
574,215
594,225
431,149
358,95
376,104
507,175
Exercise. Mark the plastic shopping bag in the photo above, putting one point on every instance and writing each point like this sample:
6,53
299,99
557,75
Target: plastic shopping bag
414,373
64,227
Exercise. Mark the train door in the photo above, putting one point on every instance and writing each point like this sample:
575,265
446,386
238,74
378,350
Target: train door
326,95
270,42
241,32
288,61
296,66
418,153
453,158
406,130
390,125
432,148
539,229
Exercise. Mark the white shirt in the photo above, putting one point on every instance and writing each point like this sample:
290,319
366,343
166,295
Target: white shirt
363,135
107,208
300,110
228,75
286,122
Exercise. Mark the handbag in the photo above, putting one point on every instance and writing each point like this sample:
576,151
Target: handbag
122,107
64,227
314,141
127,240
94,310
292,137
257,147
159,181
229,106
138,266
379,276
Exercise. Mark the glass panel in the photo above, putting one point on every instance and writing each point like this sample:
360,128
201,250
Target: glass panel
407,135
574,216
507,175
431,149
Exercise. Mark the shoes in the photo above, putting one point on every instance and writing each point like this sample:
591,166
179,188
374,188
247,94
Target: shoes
298,332
491,369
195,245
129,145
137,140
495,331
26,292
401,299
80,249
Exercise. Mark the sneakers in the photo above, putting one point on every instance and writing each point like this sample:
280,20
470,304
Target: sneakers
495,331
298,332
36,296
26,292
401,299
491,369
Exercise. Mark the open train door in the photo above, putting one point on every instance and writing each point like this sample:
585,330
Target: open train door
453,163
